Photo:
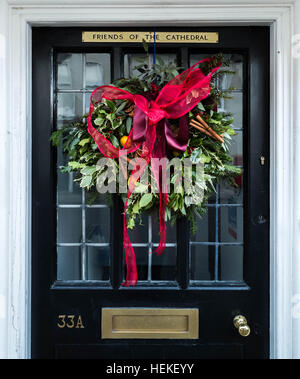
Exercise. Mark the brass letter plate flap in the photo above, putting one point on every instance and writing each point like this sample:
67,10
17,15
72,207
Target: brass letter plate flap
150,323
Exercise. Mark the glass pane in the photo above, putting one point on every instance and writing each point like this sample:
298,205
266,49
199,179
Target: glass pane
133,60
68,191
236,80
202,260
69,71
87,101
97,70
98,263
140,233
68,263
69,108
234,106
231,226
164,266
95,198
62,158
231,263
206,227
171,231
230,194
212,198
69,225
142,258
236,148
98,225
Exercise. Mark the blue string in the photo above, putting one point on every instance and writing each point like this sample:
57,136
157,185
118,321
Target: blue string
154,56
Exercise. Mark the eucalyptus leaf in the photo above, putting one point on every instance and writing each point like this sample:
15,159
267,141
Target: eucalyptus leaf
74,143
114,141
196,155
128,124
140,188
201,107
121,107
84,141
146,199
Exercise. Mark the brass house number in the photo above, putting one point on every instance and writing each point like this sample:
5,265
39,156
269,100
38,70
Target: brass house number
70,322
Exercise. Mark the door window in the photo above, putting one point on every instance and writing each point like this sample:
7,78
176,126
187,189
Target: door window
216,250
83,230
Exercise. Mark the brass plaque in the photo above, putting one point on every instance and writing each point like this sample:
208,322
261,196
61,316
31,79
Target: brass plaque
150,323
160,37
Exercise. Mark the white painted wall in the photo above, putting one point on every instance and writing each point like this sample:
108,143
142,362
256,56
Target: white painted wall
15,133
4,181
296,263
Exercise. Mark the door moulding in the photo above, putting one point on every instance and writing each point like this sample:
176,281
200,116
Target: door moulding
21,15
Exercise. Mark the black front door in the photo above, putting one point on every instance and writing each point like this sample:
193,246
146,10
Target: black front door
202,281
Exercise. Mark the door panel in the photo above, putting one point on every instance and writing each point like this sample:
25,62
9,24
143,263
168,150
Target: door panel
77,258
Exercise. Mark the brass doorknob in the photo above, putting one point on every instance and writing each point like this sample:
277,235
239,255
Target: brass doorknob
240,322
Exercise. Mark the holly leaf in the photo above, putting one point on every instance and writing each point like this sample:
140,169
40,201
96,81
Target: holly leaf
86,181
130,223
205,158
136,208
99,121
89,170
76,165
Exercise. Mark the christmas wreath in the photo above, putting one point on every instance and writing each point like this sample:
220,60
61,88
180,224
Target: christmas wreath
158,114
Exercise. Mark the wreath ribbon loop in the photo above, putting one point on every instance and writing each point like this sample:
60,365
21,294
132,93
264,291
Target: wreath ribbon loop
151,129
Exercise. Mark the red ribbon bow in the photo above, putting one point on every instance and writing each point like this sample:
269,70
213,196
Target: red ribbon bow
151,130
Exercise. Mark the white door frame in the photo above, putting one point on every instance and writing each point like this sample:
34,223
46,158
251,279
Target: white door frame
16,19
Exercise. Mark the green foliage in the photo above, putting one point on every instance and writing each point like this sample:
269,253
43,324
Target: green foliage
113,121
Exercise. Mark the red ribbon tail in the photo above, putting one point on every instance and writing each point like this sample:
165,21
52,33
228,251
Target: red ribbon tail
131,275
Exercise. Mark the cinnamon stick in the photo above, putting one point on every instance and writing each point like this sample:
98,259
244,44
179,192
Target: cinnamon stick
206,126
203,129
196,126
